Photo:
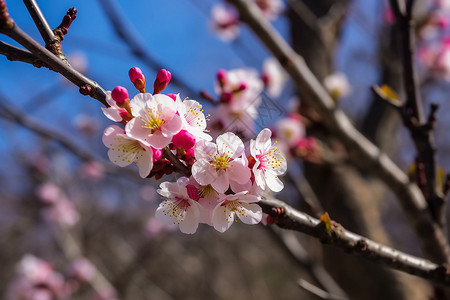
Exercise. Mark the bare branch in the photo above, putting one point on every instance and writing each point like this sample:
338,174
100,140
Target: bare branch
52,42
362,152
353,243
14,53
414,119
86,85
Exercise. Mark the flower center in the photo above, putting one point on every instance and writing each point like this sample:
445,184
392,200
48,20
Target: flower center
152,119
176,208
221,162
270,160
234,207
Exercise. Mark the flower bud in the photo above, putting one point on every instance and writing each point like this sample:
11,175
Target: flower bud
119,94
137,78
183,139
157,154
162,80
222,77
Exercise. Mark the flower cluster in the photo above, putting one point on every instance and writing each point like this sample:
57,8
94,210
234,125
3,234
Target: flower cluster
36,279
162,131
152,123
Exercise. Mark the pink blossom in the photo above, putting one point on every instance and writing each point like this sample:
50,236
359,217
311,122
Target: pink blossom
162,80
240,89
225,22
49,193
37,281
125,150
222,164
114,112
270,162
241,205
290,130
270,8
274,77
156,120
178,208
193,118
82,269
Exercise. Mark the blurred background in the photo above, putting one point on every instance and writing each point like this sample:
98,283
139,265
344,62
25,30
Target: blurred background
85,226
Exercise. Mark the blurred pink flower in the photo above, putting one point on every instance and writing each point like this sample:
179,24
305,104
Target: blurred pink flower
225,22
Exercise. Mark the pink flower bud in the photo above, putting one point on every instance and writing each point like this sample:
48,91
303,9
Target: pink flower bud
222,77
135,73
119,94
162,80
137,78
183,139
157,154
173,96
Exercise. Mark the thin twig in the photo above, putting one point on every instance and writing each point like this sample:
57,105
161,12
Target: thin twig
52,42
362,152
181,168
414,118
86,85
353,243
318,291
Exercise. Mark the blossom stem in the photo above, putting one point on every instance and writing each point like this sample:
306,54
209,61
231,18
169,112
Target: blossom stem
176,162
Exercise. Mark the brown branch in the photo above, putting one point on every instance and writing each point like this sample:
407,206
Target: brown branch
414,119
353,243
14,53
181,168
362,152
52,42
86,85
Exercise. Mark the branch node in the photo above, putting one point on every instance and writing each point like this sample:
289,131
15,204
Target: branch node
5,20
86,89
67,20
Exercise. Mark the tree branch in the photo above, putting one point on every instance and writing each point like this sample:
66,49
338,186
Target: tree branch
14,53
362,152
86,85
353,243
52,42
413,117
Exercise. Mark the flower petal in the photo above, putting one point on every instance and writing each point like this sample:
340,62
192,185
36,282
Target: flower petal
222,218
189,224
252,214
144,160
230,144
203,172
222,182
273,182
